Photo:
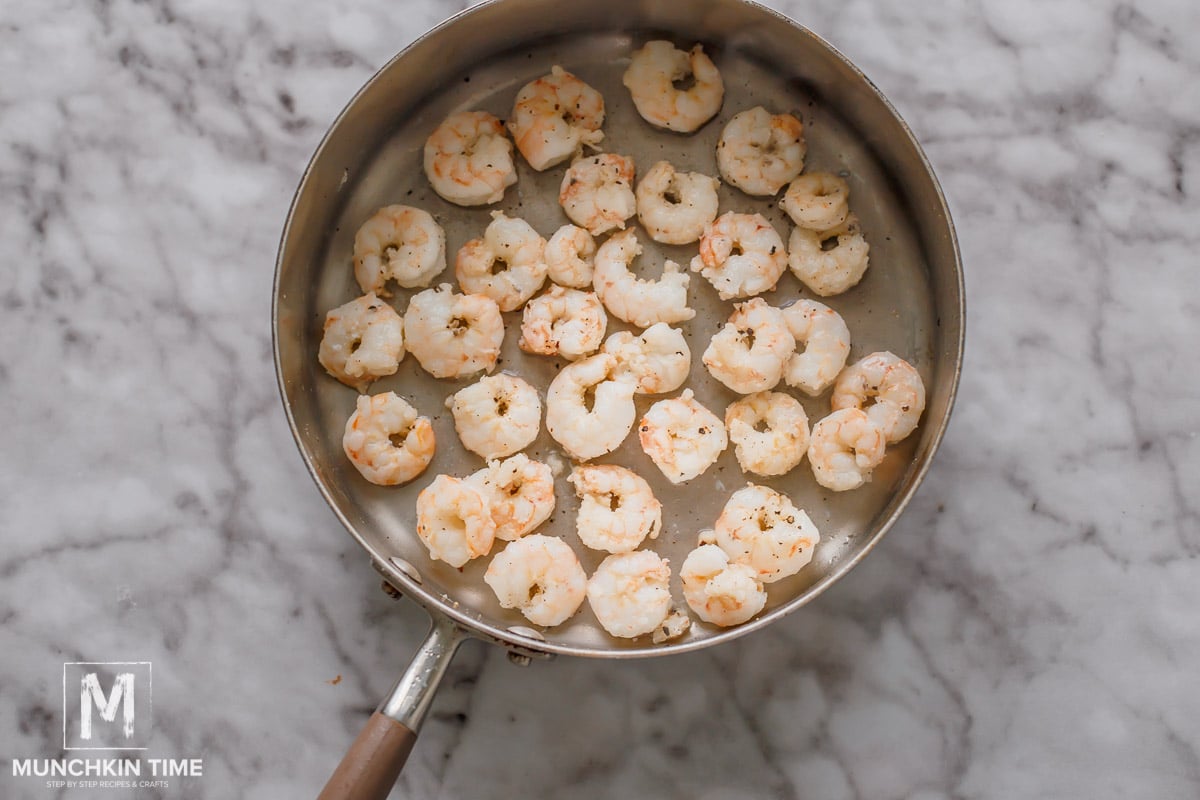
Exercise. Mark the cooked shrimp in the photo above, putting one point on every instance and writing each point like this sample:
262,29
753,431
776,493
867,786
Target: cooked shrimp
675,206
651,77
760,528
618,511
507,263
822,345
759,152
749,353
833,271
816,201
541,577
769,431
364,340
634,300
401,244
675,625
843,449
553,118
569,256
587,431
452,335
497,415
519,493
387,441
563,322
630,593
682,437
657,361
718,591
893,384
453,521
741,255
597,192
469,160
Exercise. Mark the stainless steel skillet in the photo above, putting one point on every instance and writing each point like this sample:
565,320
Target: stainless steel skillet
911,301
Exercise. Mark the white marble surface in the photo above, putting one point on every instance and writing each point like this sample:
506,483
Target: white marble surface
1030,628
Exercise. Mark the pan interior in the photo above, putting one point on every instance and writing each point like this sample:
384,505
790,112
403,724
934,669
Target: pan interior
894,308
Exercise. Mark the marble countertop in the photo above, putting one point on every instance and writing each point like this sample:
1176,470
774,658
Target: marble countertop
1030,627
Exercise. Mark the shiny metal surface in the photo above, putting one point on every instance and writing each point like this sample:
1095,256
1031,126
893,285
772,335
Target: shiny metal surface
911,301
409,700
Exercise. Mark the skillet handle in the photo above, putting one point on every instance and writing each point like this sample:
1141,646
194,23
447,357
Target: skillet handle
372,764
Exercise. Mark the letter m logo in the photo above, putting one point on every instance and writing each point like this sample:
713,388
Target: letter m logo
113,705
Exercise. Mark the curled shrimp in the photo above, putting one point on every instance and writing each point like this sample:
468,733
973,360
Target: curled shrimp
563,322
541,577
817,201
618,510
759,152
507,263
630,593
822,346
587,432
453,521
843,449
387,441
749,353
554,117
657,361
832,271
452,335
674,207
519,493
893,384
469,160
762,529
741,255
363,340
401,244
769,431
497,415
651,77
597,192
682,437
720,592
569,255
634,300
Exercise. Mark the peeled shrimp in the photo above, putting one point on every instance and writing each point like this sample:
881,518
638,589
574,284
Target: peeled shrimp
822,345
769,431
452,335
718,591
507,263
387,441
497,415
541,577
569,256
618,511
469,160
399,243
675,206
682,437
553,118
760,528
364,340
759,152
597,192
634,300
741,255
657,361
453,521
843,449
894,385
651,77
519,493
563,322
816,201
749,353
833,271
630,593
589,432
